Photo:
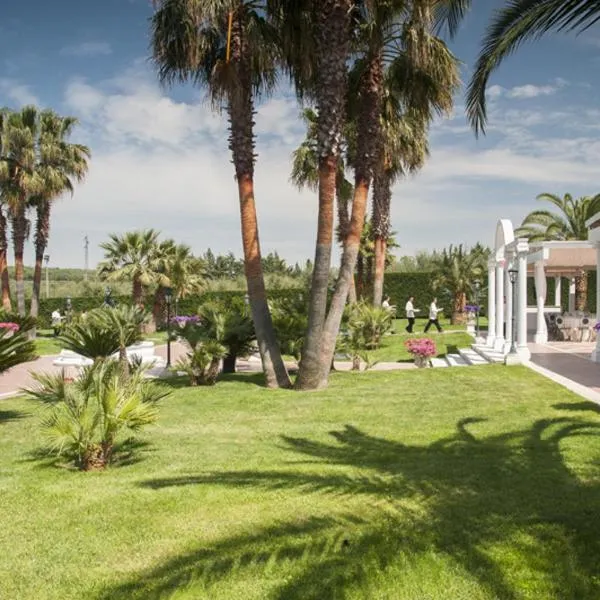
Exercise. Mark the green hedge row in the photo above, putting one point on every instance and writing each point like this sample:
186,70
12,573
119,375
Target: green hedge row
399,286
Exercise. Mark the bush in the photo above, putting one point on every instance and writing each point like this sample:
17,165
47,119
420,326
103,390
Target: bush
87,415
363,330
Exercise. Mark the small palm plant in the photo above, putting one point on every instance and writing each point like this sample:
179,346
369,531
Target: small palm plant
87,416
104,332
365,327
15,345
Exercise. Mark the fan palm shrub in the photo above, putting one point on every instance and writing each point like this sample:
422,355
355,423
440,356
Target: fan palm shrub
231,325
87,416
290,317
104,332
16,347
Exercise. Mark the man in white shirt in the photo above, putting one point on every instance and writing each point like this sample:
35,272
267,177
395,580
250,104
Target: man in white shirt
433,316
410,314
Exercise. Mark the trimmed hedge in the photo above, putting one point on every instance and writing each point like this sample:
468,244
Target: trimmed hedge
398,286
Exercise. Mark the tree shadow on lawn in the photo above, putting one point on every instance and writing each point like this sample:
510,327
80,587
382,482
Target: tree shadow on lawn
491,504
183,382
11,415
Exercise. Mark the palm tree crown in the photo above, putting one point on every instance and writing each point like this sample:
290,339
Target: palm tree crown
520,21
568,224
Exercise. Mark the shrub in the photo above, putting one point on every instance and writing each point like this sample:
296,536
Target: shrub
364,328
290,319
87,416
15,345
201,363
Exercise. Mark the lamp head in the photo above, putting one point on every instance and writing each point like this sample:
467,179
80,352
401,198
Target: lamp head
512,274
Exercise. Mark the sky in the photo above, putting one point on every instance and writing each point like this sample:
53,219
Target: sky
160,157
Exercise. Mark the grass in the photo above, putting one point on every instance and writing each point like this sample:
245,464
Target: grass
393,350
476,483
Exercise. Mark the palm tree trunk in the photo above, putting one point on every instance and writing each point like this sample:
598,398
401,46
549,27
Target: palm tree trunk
42,232
581,291
332,41
360,276
241,144
6,304
369,149
380,252
382,193
458,310
19,223
158,307
343,226
138,293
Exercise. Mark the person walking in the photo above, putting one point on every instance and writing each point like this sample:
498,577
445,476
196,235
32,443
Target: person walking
410,314
433,316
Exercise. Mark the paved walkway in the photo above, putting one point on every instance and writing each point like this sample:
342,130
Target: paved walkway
570,360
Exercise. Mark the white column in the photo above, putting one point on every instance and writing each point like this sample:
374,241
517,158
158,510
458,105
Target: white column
572,295
499,341
541,333
522,349
557,291
491,312
508,294
596,352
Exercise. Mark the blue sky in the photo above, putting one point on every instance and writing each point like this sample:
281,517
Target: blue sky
160,157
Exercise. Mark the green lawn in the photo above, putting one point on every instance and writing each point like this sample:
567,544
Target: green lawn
393,349
475,483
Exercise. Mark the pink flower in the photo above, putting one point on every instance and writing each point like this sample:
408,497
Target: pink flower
423,347
10,326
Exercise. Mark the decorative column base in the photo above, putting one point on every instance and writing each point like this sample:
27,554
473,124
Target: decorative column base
499,344
541,338
513,359
490,340
524,353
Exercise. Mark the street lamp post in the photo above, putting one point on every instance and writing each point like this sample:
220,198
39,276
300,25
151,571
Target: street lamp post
477,285
47,260
513,357
168,298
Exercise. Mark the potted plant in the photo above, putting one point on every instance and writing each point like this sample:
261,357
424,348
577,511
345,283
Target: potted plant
422,350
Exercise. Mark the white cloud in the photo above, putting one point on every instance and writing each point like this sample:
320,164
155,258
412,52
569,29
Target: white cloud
164,163
16,92
87,49
524,92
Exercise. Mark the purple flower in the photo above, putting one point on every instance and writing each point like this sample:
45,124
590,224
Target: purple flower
183,320
597,326
472,308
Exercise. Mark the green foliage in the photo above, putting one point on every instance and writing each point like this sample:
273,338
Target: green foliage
230,324
363,330
104,331
201,363
15,345
290,319
87,415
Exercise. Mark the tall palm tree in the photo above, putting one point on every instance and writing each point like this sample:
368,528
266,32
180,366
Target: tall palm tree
176,268
19,181
413,94
227,46
456,271
4,278
305,173
131,257
60,164
520,21
316,42
381,26
567,224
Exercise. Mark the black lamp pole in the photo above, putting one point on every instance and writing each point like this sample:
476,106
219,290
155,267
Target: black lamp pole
512,274
477,287
168,297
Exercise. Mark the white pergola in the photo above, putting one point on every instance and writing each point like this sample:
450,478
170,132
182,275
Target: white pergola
540,260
